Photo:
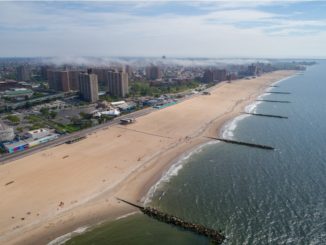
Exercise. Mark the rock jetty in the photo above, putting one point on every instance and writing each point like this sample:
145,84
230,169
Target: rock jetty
215,236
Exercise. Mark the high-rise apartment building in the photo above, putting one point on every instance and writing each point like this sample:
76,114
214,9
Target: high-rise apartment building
214,75
252,70
153,73
23,73
88,87
74,80
44,72
59,80
118,83
129,70
63,80
220,74
102,75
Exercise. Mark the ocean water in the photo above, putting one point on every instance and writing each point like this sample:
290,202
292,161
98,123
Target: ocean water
254,196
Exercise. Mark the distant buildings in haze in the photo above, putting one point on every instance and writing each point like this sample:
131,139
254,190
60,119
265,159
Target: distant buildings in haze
23,73
214,75
153,72
252,70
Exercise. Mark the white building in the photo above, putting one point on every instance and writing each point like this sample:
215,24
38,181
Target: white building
114,112
117,103
39,133
34,142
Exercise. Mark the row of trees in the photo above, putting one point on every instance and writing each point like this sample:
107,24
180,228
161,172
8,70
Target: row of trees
144,89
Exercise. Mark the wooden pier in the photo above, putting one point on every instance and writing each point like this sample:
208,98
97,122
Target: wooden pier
275,101
265,147
215,236
265,115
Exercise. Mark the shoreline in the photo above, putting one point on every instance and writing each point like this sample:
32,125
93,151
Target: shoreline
136,183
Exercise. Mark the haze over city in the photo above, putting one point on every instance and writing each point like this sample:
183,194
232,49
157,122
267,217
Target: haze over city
264,29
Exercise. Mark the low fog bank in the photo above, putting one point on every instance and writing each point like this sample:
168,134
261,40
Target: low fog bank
141,62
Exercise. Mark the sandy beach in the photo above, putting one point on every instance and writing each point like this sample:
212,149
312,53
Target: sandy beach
57,190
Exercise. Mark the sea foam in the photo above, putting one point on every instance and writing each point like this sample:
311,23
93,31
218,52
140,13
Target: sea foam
229,128
252,108
126,215
283,79
173,171
62,239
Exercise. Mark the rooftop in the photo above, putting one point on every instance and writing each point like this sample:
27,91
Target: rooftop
15,144
36,131
18,92
3,126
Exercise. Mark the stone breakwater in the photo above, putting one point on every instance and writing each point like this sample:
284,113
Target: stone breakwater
215,236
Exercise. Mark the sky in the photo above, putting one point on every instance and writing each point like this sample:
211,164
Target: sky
213,29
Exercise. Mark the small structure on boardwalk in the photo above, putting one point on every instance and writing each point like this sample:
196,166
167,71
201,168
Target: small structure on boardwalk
125,121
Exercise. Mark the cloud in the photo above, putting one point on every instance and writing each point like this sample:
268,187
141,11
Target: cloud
148,29
142,62
241,15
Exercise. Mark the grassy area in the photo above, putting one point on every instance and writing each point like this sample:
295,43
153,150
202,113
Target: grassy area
70,128
144,89
109,98
13,118
36,121
37,95
43,120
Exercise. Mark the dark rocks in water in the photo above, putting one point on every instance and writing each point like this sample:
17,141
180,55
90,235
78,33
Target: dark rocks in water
215,236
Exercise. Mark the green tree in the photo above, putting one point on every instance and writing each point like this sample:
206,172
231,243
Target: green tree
45,111
13,118
53,114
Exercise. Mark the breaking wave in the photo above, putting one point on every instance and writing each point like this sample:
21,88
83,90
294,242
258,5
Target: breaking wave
62,239
230,127
173,171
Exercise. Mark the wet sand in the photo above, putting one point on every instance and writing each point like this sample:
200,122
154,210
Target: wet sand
60,189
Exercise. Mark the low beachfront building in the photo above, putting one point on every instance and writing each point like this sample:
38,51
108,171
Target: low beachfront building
127,106
113,112
38,133
117,103
34,142
12,147
21,145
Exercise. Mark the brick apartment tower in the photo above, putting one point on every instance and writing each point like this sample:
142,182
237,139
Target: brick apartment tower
118,83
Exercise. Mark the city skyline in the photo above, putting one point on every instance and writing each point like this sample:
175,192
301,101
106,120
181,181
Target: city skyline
217,29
